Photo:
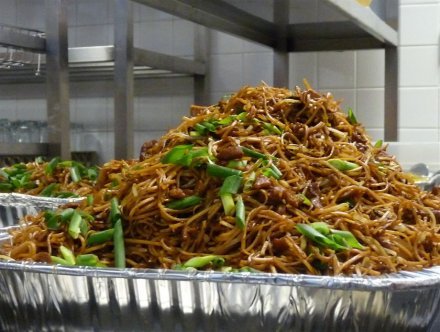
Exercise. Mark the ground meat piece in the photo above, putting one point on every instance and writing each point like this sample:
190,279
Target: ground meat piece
292,198
359,141
280,245
146,149
228,149
275,195
262,182
314,193
176,193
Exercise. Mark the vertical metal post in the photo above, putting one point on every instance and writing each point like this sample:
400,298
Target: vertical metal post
391,119
281,56
124,84
201,53
57,79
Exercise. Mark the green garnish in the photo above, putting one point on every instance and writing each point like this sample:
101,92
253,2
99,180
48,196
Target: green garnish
240,213
115,212
351,117
88,260
201,261
342,165
68,255
231,185
184,203
324,236
222,171
100,237
74,225
185,155
378,144
119,245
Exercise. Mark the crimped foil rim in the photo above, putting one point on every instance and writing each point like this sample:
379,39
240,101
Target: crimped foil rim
40,201
401,281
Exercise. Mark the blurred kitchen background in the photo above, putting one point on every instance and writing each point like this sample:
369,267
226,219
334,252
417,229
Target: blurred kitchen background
356,77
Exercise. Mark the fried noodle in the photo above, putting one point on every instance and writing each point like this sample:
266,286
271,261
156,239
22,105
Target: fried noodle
299,132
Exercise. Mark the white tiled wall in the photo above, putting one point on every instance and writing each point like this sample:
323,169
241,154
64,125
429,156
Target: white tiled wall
355,77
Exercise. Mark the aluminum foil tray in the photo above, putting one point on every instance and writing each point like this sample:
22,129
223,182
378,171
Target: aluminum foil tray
14,206
40,297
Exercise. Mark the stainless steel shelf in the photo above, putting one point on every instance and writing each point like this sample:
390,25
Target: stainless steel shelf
97,63
359,23
86,57
24,39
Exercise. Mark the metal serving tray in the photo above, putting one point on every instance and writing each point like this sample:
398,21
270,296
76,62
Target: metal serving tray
40,297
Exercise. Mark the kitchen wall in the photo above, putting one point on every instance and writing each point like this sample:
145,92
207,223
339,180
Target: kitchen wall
355,77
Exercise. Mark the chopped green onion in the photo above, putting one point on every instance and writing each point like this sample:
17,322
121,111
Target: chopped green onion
351,117
202,261
75,173
68,255
52,220
226,121
315,236
228,204
222,171
269,172
237,164
378,144
84,227
92,173
305,200
65,163
240,213
100,237
231,185
272,128
119,246
342,165
90,199
253,153
51,166
200,129
115,212
184,155
176,154
87,260
321,227
184,203
276,172
67,214
74,225
49,190
59,260
323,235
243,116
345,238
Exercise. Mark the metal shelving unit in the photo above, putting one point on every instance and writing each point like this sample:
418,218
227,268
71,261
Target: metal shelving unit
58,64
358,28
